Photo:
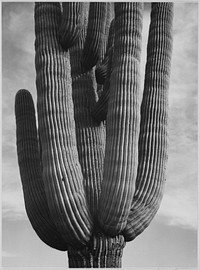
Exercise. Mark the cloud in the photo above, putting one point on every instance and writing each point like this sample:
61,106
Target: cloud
17,50
13,203
18,19
179,208
179,205
12,195
18,72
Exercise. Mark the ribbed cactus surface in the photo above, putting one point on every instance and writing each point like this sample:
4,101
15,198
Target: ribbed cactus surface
31,172
153,137
102,252
63,178
123,118
96,32
70,26
93,172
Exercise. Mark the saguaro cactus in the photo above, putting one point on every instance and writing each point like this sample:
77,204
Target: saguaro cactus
93,172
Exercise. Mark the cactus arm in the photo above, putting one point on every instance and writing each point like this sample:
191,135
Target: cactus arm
70,26
31,172
90,136
95,35
153,129
90,139
62,173
122,129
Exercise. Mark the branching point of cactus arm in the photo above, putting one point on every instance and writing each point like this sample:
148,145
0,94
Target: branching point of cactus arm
139,220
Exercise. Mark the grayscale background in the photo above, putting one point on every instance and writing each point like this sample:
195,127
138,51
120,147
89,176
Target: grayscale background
171,239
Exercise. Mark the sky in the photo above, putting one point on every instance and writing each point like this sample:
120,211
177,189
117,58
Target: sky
171,239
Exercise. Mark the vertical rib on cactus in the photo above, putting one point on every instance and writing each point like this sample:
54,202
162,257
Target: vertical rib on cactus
95,35
31,172
70,26
62,174
153,128
122,129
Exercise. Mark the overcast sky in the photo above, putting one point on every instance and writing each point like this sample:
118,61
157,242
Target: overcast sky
171,239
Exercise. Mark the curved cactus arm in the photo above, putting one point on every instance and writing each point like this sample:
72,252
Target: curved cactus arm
90,139
95,35
62,175
122,129
153,129
90,136
70,25
31,172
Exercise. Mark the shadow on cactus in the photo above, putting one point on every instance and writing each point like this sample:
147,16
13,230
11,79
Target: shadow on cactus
93,171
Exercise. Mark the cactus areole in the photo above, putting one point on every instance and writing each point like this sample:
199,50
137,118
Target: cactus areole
93,171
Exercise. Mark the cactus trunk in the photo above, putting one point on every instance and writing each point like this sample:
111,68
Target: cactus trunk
101,252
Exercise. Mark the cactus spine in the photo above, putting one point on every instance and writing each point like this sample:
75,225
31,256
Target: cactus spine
89,185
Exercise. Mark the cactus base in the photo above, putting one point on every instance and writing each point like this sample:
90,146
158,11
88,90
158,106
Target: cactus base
101,252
